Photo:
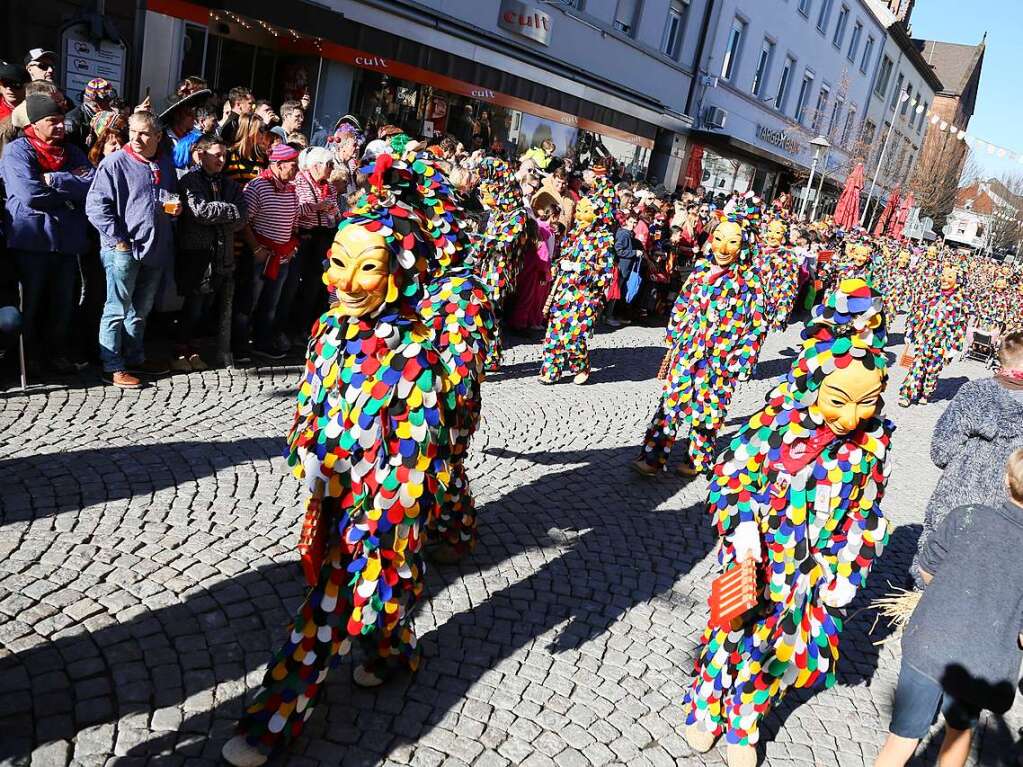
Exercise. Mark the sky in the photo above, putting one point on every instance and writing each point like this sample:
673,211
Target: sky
999,112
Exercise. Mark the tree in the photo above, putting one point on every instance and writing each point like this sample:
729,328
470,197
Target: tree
944,164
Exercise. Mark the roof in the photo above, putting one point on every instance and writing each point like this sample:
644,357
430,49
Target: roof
954,63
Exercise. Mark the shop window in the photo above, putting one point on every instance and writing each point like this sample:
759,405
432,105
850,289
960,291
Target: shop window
675,28
804,96
843,19
783,83
823,16
626,16
822,107
884,73
763,67
733,49
854,42
193,51
868,51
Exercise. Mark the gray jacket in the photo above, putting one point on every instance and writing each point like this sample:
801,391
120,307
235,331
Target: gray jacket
972,442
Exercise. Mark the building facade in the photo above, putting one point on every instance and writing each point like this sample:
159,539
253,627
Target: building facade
596,76
776,75
899,109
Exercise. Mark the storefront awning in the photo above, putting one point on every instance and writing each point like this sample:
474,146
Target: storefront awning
378,50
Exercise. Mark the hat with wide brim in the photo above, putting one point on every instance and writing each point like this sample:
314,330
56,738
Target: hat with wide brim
173,103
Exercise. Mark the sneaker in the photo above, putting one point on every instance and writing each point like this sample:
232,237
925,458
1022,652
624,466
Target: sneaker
181,365
150,368
122,379
197,363
271,353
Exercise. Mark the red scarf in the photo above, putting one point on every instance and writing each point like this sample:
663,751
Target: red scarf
51,157
268,174
800,453
154,168
5,110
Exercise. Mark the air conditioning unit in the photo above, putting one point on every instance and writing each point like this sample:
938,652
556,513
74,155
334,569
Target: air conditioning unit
714,117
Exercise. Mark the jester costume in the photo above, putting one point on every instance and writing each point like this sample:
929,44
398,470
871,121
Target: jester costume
386,407
781,264
581,278
897,285
499,251
713,338
936,328
813,499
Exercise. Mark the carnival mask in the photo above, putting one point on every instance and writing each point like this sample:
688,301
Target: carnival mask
727,243
775,235
584,213
1001,283
859,253
949,279
359,268
903,259
849,396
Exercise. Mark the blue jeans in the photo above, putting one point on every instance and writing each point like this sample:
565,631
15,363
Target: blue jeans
132,286
47,279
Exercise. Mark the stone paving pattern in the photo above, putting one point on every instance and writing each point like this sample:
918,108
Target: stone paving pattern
147,570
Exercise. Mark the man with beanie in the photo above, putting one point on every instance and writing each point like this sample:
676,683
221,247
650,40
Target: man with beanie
272,215
96,98
131,206
46,181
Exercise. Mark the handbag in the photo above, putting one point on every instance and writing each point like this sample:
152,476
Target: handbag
907,358
632,286
733,594
312,542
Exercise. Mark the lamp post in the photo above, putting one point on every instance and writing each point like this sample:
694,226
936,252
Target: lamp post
880,160
818,144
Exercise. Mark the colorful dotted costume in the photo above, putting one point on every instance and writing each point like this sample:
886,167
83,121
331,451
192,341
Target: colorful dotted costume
896,285
713,338
781,265
936,328
385,410
580,286
499,252
815,498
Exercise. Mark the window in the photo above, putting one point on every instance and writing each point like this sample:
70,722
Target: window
867,53
923,118
625,16
822,17
577,4
763,67
822,106
836,115
884,72
869,129
854,42
895,93
675,28
730,64
783,83
905,104
804,96
850,120
804,7
843,19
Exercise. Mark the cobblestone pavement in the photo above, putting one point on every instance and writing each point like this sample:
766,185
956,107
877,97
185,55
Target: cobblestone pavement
147,569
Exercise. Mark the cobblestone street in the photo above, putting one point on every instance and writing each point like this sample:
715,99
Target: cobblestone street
148,568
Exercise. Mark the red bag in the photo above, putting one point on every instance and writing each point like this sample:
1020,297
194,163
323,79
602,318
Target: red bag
614,289
733,594
907,358
312,542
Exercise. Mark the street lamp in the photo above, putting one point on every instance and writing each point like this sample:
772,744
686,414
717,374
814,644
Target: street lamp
818,144
903,97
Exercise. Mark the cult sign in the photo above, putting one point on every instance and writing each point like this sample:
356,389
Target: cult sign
526,20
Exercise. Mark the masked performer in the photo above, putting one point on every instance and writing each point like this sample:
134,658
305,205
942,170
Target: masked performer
499,251
802,481
897,284
713,336
781,264
580,284
936,327
388,401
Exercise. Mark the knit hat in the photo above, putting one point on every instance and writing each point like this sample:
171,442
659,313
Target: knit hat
39,106
110,119
283,153
98,89
12,73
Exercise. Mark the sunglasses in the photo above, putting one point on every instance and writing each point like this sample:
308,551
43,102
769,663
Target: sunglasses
41,65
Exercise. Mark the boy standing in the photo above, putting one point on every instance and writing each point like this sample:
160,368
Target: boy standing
961,648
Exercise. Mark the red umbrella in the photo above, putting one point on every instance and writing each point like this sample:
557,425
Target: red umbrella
886,215
899,219
847,212
694,168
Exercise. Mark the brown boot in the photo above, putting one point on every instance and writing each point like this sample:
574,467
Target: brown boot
122,379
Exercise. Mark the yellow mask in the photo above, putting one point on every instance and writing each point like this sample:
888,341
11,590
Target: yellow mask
727,243
1001,283
775,235
848,397
858,253
949,279
359,268
584,213
903,259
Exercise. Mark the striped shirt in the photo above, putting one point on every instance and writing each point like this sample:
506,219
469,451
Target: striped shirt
310,214
273,209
